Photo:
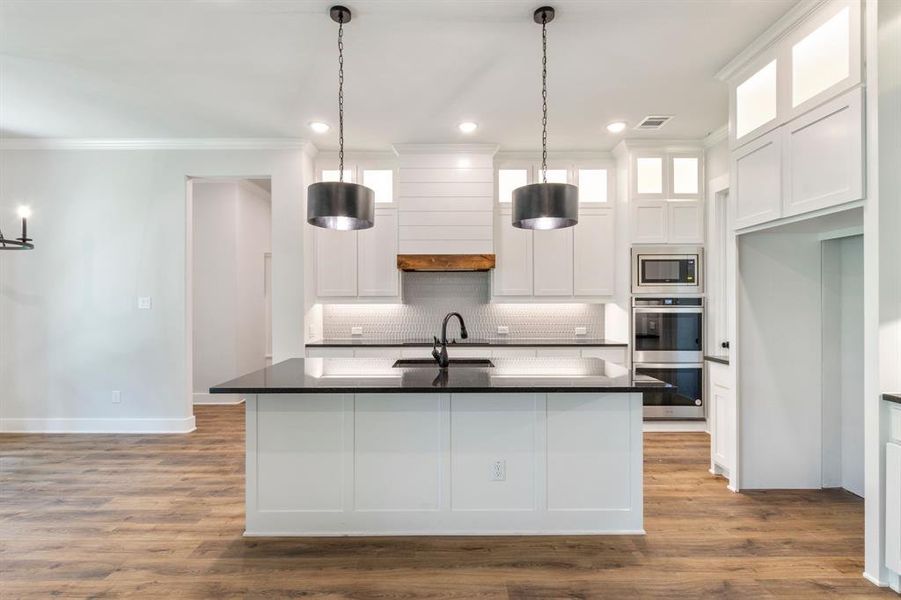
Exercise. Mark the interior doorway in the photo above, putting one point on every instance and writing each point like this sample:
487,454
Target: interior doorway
230,254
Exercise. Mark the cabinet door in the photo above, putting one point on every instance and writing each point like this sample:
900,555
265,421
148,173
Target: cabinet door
823,156
685,172
377,256
593,255
553,261
754,102
721,411
336,263
649,221
649,176
513,249
893,506
757,169
685,222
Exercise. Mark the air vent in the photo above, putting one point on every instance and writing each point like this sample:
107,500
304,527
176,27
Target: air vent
653,122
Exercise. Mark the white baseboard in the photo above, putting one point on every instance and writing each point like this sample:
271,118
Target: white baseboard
185,425
675,426
207,398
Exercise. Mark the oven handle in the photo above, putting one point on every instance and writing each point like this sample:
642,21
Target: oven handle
670,366
673,309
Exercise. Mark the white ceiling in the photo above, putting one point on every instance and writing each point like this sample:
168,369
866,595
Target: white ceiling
266,68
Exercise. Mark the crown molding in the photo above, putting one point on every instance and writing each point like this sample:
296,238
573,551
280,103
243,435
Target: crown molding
665,145
158,144
558,155
363,155
716,136
771,36
490,149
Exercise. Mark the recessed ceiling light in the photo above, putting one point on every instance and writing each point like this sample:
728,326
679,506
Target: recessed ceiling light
616,127
319,127
467,126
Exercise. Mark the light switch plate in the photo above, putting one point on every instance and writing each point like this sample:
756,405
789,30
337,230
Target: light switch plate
581,331
503,330
356,331
145,302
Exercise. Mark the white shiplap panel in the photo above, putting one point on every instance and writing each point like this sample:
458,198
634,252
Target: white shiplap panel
446,204
481,218
451,160
445,233
443,189
446,247
446,175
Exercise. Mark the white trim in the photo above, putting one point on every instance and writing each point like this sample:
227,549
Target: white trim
560,155
158,144
98,425
674,426
665,145
802,217
770,37
448,532
445,149
874,580
716,136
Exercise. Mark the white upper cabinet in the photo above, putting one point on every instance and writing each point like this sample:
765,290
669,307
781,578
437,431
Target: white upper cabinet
823,156
512,275
825,56
353,266
593,254
757,185
685,222
817,59
666,175
756,102
553,262
593,187
377,273
648,221
336,263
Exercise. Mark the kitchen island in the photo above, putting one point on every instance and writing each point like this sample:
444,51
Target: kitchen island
372,447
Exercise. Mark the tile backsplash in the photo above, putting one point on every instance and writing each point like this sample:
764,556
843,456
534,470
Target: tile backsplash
427,297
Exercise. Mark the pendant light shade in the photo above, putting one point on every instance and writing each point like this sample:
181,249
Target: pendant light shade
545,205
339,204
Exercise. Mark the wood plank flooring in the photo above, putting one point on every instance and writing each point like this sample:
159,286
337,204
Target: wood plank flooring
150,516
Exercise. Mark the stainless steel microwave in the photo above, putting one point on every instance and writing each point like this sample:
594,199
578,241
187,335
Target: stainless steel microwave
667,270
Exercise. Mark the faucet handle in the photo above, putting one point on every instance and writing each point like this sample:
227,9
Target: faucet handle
435,353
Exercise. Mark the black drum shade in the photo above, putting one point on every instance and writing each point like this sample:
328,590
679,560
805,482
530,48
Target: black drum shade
545,206
340,205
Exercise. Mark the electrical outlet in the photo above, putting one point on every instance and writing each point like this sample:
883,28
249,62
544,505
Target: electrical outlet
117,396
498,470
145,302
503,330
581,331
356,331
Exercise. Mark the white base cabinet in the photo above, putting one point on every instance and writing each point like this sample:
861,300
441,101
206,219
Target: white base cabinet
721,415
893,492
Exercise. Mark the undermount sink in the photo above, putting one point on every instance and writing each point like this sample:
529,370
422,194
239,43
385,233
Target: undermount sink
430,362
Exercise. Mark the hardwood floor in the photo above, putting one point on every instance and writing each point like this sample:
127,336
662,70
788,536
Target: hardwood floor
144,516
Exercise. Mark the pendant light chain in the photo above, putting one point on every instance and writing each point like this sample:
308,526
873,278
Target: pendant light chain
544,98
341,98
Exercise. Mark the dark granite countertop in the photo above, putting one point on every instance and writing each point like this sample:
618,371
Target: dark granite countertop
512,342
365,375
892,398
717,358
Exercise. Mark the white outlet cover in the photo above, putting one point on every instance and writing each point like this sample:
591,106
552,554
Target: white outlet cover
581,331
503,330
356,331
117,396
145,302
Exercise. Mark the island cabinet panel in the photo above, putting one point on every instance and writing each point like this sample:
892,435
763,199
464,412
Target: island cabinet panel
490,429
588,452
402,463
397,439
298,443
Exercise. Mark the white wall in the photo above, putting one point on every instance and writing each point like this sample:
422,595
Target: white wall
231,226
717,159
843,381
110,225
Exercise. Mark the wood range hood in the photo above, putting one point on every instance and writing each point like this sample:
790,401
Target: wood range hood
445,262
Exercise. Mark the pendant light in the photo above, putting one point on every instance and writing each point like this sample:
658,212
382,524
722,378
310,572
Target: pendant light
20,243
545,205
340,204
